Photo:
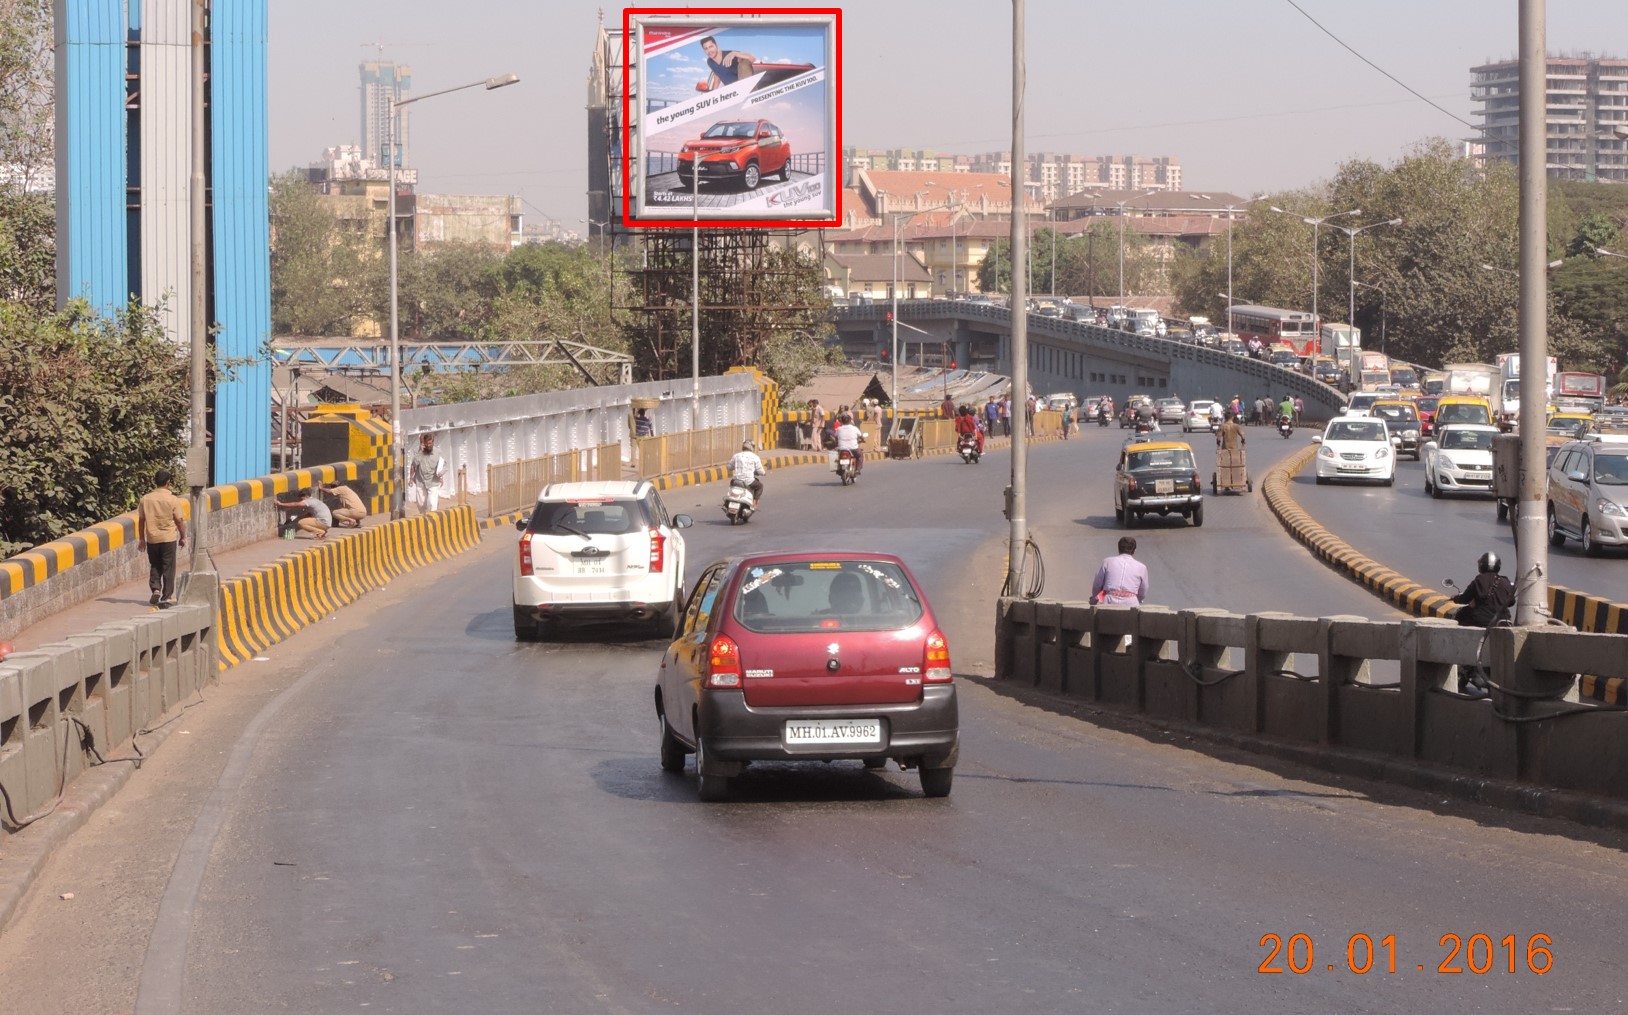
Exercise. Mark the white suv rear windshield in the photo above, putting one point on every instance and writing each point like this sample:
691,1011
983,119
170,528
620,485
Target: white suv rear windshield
588,517
811,596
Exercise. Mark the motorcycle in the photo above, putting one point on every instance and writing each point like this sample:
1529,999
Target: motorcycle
739,504
1144,425
1215,425
1102,417
847,466
967,448
1285,427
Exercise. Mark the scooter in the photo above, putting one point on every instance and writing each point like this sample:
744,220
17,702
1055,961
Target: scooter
739,504
1215,425
1474,681
1285,427
967,448
847,467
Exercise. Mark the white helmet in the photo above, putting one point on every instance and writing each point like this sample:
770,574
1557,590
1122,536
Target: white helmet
748,446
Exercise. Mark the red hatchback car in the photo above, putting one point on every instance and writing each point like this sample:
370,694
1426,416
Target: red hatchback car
808,657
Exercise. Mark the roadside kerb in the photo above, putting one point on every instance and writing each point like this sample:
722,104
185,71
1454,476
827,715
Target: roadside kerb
1577,609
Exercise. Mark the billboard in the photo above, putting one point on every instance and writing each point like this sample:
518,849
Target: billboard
738,118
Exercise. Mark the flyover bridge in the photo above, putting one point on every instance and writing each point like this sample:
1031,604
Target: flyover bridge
1086,359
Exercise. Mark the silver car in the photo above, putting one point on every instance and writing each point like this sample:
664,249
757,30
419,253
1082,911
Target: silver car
1172,410
1588,494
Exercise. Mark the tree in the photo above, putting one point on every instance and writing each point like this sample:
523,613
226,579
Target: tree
93,406
314,263
25,94
27,250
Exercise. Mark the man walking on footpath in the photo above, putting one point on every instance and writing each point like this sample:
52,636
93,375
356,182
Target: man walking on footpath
1121,580
428,470
161,527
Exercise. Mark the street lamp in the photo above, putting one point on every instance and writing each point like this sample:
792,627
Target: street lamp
1351,305
1552,264
399,467
1381,292
1315,223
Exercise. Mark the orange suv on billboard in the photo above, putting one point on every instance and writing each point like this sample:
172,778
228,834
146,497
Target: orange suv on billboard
741,150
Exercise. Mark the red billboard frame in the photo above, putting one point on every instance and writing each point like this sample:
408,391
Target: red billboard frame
629,222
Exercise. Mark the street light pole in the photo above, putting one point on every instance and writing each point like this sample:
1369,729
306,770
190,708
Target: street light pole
398,468
1381,291
1531,548
894,316
1229,269
1351,304
1315,223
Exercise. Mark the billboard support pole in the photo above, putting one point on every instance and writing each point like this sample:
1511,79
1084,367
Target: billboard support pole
1531,549
695,294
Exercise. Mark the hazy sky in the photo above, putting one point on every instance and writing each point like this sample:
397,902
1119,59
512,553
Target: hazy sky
1248,94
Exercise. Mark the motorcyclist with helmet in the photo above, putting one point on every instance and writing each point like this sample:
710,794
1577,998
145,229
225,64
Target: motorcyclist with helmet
1485,602
746,469
848,439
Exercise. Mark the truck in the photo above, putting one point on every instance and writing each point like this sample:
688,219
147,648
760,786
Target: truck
1580,388
1509,387
1373,370
1343,342
1470,379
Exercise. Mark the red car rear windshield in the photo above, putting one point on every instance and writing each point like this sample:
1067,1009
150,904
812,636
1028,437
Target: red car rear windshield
813,595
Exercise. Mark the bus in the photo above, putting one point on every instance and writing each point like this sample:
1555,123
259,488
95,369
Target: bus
1271,325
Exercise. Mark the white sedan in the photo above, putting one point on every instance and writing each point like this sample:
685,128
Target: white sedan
1459,459
1198,415
1356,448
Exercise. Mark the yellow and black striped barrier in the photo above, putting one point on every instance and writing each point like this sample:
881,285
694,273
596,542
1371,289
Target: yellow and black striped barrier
264,606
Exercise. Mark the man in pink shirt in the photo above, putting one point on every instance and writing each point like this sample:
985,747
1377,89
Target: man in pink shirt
1121,580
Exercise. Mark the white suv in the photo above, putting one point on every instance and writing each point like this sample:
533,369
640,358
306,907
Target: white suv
603,551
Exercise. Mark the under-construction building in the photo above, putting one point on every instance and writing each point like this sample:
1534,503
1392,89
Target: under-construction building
1585,124
750,283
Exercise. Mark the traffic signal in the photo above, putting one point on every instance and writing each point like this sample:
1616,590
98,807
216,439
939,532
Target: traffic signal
885,354
889,316
952,364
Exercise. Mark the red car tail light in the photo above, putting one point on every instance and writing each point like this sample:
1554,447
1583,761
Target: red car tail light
935,666
658,552
525,555
724,663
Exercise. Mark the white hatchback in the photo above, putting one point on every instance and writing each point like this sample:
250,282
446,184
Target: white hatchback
1356,448
602,551
1198,415
1458,459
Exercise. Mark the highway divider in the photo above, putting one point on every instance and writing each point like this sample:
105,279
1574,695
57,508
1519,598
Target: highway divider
1576,609
1302,688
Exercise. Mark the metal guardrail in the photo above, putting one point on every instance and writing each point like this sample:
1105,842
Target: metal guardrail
699,449
513,486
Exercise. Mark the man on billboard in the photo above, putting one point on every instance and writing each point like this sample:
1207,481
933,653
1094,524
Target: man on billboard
727,68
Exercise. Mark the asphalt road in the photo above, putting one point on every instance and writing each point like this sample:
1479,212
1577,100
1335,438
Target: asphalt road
437,819
1430,539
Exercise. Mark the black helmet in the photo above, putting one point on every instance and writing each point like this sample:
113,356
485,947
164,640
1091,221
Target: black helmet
1489,563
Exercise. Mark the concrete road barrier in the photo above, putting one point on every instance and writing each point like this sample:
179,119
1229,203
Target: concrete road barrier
1302,687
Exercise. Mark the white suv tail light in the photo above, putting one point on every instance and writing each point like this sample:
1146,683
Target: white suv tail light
525,555
658,552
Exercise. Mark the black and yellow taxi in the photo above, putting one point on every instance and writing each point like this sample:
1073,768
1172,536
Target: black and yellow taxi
1401,416
1157,477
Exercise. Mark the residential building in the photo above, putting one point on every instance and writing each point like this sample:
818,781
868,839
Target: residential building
357,191
873,275
383,83
1057,175
605,87
1586,124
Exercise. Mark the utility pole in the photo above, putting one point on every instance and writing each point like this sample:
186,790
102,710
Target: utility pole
1019,535
1531,548
198,443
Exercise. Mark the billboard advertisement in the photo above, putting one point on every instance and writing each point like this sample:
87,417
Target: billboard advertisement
738,118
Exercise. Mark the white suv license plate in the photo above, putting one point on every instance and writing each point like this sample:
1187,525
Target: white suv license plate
805,732
595,567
